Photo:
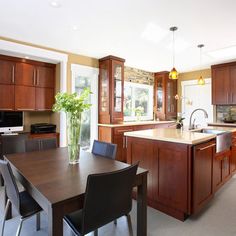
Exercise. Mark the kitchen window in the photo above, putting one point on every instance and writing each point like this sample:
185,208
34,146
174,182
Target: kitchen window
138,101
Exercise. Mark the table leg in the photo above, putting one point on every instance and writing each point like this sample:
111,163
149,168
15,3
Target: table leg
55,221
142,207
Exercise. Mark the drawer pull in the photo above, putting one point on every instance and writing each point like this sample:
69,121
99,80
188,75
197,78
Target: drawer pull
25,109
211,145
124,130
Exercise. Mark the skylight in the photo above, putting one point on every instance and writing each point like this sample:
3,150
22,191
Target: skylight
224,53
154,33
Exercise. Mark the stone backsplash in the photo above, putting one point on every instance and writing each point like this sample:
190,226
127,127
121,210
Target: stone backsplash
225,112
138,76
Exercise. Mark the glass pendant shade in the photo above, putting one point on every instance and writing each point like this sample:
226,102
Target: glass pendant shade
200,81
173,74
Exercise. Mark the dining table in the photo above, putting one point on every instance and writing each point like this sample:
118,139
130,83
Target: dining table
59,187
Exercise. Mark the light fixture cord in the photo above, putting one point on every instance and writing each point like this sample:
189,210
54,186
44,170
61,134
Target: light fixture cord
173,48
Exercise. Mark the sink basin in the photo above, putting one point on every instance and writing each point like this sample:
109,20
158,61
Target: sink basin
210,131
223,138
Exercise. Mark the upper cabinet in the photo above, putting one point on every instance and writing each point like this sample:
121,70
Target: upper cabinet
224,84
26,85
111,86
165,104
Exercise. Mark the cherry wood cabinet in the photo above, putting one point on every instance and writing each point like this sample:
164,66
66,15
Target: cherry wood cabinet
115,134
222,169
7,69
165,104
169,171
111,86
233,154
7,97
24,98
224,84
203,189
25,84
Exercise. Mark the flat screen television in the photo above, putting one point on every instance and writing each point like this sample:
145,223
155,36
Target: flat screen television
11,121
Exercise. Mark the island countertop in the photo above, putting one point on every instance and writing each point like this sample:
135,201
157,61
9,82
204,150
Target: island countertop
151,122
172,135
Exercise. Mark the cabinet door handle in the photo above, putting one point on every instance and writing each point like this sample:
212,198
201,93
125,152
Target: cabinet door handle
37,83
6,109
211,145
123,143
13,74
34,78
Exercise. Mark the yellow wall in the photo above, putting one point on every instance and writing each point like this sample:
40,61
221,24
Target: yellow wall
193,75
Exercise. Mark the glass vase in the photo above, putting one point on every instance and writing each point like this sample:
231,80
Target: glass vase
73,137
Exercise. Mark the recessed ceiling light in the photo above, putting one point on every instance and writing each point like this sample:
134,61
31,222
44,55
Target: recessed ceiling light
154,33
55,4
75,27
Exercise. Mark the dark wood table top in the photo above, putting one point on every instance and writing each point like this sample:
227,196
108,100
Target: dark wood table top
51,175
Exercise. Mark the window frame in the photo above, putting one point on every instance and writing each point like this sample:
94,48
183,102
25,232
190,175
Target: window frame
150,102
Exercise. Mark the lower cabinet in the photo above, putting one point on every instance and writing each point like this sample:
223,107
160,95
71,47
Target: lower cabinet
168,166
203,190
233,155
115,134
221,169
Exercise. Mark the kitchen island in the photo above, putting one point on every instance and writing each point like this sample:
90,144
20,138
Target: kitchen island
181,168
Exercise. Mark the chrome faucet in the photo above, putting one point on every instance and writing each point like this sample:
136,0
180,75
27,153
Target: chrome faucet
191,125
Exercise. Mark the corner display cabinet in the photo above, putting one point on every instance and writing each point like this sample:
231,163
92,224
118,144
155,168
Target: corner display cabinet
111,86
165,89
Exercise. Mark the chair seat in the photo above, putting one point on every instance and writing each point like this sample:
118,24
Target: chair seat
28,206
74,220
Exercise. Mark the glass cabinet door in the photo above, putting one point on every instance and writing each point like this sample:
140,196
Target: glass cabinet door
117,88
170,96
159,94
104,88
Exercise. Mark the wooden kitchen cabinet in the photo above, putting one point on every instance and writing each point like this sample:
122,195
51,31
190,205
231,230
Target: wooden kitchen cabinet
233,154
224,84
7,97
24,98
165,104
25,84
203,190
221,169
7,69
111,90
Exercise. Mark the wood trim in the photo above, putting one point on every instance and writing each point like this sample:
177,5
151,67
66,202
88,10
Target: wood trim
110,57
27,61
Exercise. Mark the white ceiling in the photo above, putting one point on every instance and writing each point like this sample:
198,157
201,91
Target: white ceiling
137,30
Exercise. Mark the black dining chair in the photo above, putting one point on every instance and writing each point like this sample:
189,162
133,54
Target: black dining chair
108,196
40,144
24,204
104,149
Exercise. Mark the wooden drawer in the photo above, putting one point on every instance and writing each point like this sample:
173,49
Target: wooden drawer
46,135
122,130
144,127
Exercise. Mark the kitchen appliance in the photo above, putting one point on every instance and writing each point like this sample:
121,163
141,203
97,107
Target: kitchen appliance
41,128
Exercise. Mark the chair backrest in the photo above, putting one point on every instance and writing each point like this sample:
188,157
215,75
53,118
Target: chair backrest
13,143
48,143
104,149
40,144
10,184
32,145
108,196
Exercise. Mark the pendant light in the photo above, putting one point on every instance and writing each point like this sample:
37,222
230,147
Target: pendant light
174,73
200,80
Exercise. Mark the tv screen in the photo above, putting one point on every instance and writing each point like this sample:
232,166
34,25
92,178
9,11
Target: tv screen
11,121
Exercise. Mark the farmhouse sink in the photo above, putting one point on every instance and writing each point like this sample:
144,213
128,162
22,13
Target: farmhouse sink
223,138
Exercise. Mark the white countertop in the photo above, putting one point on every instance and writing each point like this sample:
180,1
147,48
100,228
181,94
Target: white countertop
151,122
172,135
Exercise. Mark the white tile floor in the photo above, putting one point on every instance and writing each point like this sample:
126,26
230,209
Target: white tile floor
218,219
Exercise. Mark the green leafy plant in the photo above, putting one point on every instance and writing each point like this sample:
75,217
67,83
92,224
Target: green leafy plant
72,103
